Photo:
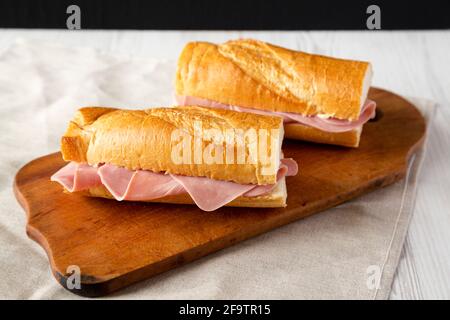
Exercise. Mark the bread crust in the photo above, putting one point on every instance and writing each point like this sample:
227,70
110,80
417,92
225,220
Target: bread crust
275,199
255,74
142,139
302,132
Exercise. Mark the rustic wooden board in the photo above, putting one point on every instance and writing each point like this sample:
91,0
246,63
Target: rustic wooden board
118,243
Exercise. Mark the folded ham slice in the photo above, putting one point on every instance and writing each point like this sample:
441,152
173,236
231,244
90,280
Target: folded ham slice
209,194
77,177
322,123
141,185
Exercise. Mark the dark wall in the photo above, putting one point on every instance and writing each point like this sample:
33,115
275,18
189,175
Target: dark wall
230,14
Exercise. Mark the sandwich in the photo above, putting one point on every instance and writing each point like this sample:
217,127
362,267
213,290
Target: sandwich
186,155
321,99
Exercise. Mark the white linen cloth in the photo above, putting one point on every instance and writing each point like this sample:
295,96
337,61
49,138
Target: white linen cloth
332,255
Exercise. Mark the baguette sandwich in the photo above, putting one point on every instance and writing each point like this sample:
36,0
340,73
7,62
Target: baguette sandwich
320,99
210,157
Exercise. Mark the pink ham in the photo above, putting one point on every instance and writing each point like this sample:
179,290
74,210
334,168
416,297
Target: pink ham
137,185
288,167
324,124
209,194
142,185
77,176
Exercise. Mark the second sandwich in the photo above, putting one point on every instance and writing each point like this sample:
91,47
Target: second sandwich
321,99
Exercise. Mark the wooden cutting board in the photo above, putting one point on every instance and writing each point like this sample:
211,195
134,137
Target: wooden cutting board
118,243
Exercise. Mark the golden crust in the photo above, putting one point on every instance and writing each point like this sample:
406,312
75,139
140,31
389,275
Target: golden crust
276,199
255,74
301,132
75,142
142,139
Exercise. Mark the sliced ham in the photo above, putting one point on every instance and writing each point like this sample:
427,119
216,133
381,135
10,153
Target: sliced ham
209,194
137,185
161,186
288,167
116,180
333,124
77,176
324,124
141,185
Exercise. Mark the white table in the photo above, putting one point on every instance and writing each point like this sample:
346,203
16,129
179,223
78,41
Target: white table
408,63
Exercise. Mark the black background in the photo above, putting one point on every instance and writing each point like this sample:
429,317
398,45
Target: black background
280,309
226,15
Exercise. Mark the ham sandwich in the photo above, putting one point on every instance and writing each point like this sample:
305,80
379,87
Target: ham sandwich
321,99
125,155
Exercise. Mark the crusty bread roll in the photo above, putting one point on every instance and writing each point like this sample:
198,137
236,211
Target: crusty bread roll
254,74
142,139
257,75
275,199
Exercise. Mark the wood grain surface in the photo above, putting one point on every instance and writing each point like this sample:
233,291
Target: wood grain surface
118,243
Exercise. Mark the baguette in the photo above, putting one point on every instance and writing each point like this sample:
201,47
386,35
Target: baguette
254,74
141,139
